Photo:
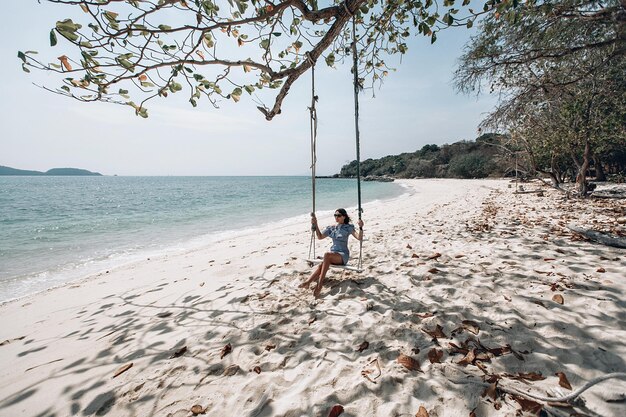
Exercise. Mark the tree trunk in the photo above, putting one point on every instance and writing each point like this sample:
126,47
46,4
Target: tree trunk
581,178
600,175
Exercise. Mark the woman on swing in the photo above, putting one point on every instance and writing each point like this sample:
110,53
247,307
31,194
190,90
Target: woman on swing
339,253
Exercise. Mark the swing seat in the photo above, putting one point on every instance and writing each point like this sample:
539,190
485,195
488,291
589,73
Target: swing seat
344,267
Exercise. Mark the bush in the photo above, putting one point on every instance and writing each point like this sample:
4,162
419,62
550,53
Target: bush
472,165
420,168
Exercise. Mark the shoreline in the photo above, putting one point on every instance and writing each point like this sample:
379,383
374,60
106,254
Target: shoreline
465,255
89,268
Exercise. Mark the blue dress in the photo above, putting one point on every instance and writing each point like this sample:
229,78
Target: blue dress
339,234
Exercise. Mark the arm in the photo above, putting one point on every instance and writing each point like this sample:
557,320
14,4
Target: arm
315,228
358,236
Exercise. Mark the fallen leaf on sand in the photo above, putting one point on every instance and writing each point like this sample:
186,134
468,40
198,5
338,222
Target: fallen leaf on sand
202,284
563,380
436,333
471,326
225,351
363,346
257,369
408,362
530,376
164,314
435,355
197,409
469,358
459,256
491,391
472,414
528,405
367,372
434,256
231,370
180,352
425,315
123,369
312,320
335,411
270,346
558,298
422,412
415,255
549,259
433,270
409,246
270,266
601,270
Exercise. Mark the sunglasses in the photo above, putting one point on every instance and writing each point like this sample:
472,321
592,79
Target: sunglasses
338,215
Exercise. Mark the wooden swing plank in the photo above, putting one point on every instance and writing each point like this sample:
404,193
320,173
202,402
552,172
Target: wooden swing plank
345,267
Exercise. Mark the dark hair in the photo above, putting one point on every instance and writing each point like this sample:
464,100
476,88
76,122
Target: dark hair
344,213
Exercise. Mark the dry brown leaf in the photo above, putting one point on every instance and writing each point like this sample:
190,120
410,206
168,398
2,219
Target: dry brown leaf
270,346
549,259
601,270
433,270
408,362
122,369
143,77
363,346
257,369
335,411
531,376
180,352
197,409
435,355
500,350
472,413
65,62
563,380
491,391
225,351
425,315
459,256
469,358
436,333
528,405
434,256
414,255
422,412
558,298
409,246
231,370
471,326
312,320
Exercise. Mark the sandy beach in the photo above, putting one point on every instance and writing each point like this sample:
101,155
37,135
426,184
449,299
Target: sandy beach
471,296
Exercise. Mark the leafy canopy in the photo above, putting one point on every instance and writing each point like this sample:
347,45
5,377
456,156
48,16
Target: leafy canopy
132,51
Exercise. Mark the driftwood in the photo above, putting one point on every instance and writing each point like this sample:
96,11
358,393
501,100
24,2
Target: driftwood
538,192
603,238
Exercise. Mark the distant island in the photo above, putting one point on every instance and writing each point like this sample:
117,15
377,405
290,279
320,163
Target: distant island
51,172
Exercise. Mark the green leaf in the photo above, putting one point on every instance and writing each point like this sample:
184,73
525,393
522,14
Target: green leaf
330,59
469,24
24,68
53,38
249,89
21,56
433,39
276,33
265,43
236,94
165,27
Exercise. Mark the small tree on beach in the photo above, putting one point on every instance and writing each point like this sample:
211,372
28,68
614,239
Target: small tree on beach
132,51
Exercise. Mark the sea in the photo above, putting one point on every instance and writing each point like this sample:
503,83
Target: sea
54,230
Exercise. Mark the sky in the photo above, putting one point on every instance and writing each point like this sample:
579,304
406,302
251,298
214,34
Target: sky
417,105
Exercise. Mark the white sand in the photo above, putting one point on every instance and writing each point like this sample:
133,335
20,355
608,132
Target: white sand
502,259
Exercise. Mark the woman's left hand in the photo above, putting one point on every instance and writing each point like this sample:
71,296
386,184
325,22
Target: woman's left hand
360,223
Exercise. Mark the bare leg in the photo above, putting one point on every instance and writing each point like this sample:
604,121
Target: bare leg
330,258
313,277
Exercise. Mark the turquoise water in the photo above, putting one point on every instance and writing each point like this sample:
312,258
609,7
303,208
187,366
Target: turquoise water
56,229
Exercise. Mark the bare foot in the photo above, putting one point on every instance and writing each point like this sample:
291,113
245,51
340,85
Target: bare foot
305,284
317,290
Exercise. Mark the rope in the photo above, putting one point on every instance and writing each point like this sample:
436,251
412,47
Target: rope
620,375
313,113
356,125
